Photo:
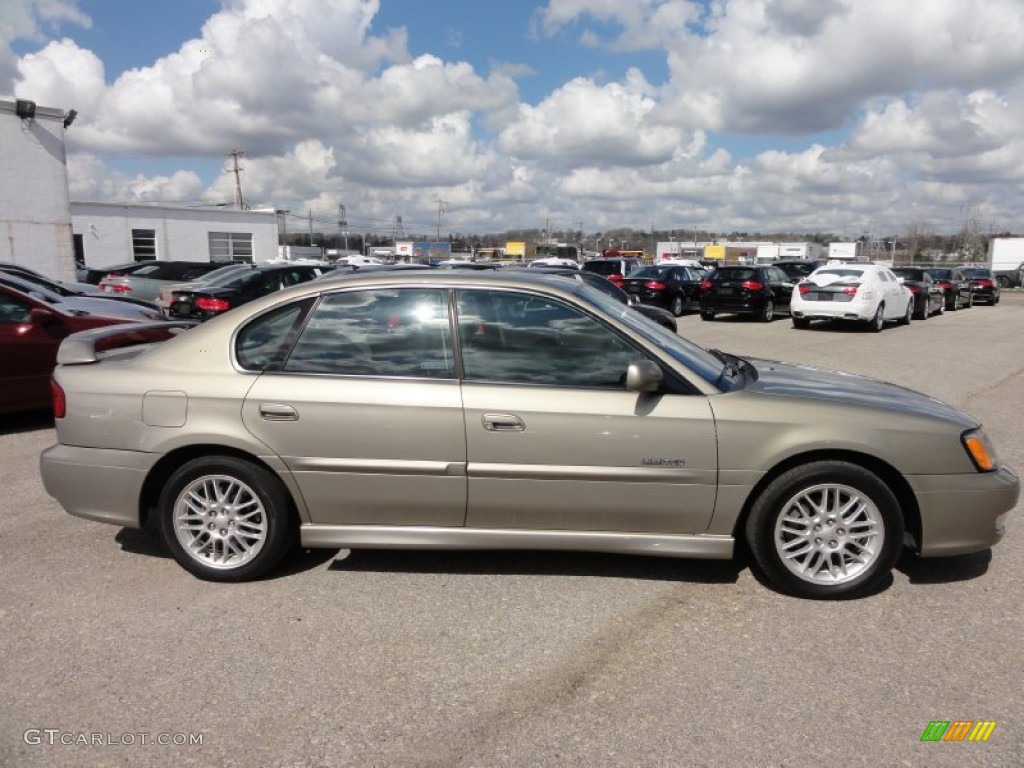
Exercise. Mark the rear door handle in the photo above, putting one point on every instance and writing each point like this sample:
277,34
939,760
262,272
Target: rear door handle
278,412
502,422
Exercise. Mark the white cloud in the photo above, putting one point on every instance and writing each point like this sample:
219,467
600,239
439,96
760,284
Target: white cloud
89,178
31,20
922,102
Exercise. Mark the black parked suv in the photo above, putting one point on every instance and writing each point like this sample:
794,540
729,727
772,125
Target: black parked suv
956,287
676,288
798,269
761,291
615,269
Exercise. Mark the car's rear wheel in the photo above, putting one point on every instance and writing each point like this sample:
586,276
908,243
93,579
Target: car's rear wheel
953,302
678,305
828,529
767,311
908,314
970,302
225,519
801,322
707,314
877,322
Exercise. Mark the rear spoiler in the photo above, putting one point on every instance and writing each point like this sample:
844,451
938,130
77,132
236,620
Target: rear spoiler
88,346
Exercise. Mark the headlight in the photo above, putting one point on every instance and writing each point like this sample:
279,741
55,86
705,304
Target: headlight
978,447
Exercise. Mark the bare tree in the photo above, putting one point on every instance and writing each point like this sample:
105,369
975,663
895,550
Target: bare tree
915,234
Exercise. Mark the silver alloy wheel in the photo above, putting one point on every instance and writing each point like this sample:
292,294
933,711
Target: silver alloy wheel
829,534
220,521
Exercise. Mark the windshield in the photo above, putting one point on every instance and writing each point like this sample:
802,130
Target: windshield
983,273
941,274
697,359
909,274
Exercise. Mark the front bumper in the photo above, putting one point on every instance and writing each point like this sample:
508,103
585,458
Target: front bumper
963,513
96,483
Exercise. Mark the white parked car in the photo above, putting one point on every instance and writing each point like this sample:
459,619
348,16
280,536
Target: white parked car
555,261
866,293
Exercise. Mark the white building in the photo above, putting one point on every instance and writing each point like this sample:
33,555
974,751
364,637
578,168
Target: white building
106,234
34,217
769,252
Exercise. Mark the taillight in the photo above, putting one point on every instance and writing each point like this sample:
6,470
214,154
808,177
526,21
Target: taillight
914,288
752,285
655,285
805,288
119,288
851,290
945,286
213,305
984,283
705,285
617,279
60,402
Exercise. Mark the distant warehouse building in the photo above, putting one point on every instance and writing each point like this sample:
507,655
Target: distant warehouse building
35,225
106,234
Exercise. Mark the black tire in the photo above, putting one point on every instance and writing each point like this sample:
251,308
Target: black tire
953,305
707,314
259,517
830,538
970,301
919,315
767,313
801,322
678,305
876,323
908,314
1002,281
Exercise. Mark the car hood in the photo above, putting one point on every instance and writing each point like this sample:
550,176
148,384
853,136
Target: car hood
806,382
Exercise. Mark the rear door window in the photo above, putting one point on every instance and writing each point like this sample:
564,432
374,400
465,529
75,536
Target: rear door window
392,332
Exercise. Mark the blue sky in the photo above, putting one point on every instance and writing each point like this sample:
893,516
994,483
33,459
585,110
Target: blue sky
750,115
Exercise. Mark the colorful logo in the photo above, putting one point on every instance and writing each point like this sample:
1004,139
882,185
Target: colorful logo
958,730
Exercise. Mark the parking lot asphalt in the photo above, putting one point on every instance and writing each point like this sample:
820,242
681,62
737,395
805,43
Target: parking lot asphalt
374,658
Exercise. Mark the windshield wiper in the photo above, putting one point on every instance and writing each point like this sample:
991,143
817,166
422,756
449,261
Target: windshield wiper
730,367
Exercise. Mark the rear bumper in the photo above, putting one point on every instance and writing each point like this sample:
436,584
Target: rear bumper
963,513
96,483
834,310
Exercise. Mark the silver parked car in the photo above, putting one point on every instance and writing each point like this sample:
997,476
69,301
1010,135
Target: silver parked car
450,409
145,282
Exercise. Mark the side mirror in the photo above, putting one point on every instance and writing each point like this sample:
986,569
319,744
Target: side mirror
643,376
41,316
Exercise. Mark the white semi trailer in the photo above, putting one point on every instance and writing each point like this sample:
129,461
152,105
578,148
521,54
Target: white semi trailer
1006,260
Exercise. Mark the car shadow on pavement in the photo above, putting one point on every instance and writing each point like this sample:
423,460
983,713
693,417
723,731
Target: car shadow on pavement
147,541
540,563
26,421
943,570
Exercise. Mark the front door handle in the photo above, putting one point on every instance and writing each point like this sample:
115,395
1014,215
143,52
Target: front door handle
502,422
278,412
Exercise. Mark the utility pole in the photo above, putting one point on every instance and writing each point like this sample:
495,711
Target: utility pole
310,226
440,209
234,154
343,225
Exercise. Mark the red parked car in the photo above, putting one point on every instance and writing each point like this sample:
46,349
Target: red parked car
30,333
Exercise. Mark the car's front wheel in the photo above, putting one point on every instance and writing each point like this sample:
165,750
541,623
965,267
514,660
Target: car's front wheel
678,305
801,322
225,519
828,529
